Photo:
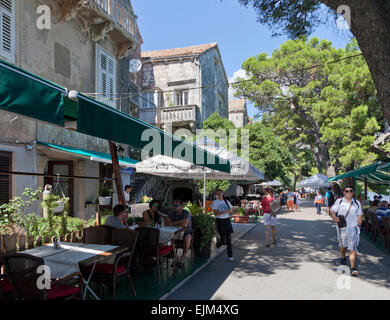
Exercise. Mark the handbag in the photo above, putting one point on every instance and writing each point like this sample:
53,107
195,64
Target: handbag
275,207
343,222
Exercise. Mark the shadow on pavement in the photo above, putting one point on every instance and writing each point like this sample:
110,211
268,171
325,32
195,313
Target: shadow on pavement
299,241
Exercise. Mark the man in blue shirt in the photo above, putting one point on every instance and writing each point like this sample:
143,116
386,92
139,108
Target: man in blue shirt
382,211
118,220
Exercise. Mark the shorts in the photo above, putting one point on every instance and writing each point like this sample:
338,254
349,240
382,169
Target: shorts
348,238
290,203
270,220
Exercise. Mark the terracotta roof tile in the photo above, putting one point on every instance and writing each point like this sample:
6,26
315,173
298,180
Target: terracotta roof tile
193,50
237,104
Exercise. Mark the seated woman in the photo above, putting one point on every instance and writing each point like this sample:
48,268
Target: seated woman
153,214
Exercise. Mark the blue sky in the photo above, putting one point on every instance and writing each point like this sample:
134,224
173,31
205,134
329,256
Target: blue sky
166,24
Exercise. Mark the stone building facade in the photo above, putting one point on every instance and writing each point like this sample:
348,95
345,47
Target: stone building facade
238,112
182,87
81,50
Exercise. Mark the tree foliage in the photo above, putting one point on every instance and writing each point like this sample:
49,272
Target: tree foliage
329,108
368,21
268,153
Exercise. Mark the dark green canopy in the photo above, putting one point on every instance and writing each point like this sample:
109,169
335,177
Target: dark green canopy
29,95
99,120
377,173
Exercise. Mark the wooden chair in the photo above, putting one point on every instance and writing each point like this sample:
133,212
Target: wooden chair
97,235
109,273
376,228
148,242
366,222
22,272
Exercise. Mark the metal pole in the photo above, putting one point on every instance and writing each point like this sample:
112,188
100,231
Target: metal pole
204,192
365,188
6,173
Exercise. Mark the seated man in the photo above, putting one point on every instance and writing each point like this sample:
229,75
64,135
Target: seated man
181,218
382,211
119,219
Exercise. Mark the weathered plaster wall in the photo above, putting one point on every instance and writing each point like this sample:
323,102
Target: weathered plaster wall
212,74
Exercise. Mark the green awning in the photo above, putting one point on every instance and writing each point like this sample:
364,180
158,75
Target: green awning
376,173
29,95
97,119
91,155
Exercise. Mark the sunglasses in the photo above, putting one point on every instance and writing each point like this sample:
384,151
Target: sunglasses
177,205
155,206
348,191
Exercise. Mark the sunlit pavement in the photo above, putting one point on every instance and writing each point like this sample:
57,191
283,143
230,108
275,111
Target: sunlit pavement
302,265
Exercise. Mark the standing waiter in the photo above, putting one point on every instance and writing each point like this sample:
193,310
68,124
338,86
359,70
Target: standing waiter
223,211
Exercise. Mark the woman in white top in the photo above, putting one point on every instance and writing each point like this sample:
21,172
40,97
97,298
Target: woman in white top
222,209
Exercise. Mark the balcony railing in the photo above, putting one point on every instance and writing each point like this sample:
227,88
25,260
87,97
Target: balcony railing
179,114
121,15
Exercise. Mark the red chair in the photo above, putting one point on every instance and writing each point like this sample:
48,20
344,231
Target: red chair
109,273
149,245
21,270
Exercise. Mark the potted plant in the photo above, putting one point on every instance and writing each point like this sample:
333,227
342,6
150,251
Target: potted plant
204,231
241,217
105,194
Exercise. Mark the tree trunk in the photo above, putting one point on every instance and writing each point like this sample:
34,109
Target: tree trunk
370,24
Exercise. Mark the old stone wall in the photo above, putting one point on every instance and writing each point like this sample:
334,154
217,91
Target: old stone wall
215,98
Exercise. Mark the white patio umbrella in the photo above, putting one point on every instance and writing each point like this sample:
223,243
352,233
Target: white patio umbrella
240,169
316,181
273,183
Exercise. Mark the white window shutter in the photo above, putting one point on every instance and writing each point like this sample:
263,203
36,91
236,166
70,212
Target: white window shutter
106,78
7,29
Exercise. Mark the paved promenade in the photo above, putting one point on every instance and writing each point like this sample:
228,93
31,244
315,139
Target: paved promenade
302,265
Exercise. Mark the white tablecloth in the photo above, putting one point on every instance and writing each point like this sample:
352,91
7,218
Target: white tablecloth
166,233
65,261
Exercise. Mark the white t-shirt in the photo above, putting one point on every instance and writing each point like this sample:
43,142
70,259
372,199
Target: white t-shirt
341,207
220,205
290,196
127,196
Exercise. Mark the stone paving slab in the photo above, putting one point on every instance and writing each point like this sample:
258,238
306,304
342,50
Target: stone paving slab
302,265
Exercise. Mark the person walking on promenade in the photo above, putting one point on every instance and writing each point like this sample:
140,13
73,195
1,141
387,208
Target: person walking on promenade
318,202
347,213
329,199
223,210
290,200
296,200
270,220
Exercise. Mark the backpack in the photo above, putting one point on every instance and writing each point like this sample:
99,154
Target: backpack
331,199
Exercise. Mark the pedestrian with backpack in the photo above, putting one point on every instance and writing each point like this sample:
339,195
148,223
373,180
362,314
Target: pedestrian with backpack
330,199
347,213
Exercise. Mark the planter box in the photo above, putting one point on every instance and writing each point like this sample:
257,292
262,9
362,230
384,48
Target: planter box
241,219
104,201
203,253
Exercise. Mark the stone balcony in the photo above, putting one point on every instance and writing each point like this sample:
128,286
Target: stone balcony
120,15
180,115
103,18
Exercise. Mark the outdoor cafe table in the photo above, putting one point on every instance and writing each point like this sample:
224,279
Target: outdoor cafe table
67,259
166,233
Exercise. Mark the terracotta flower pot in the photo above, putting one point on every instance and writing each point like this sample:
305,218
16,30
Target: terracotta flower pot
241,219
